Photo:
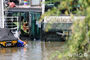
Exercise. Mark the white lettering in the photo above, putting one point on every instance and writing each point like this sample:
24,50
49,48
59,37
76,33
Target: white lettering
62,19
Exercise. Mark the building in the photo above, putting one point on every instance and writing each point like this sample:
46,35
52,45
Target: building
58,27
19,13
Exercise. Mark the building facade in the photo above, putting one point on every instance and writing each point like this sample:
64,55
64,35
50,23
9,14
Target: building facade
26,13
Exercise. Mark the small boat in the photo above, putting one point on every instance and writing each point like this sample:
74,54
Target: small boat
7,38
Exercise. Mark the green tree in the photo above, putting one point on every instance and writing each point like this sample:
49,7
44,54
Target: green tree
79,42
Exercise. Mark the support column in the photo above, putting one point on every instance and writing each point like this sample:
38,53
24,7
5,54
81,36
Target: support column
1,14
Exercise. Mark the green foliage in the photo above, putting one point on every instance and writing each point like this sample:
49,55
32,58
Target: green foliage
78,39
79,42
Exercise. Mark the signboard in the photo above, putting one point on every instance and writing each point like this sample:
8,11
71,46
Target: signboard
60,22
62,19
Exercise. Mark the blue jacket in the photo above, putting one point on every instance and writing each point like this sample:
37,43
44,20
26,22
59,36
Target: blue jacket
20,43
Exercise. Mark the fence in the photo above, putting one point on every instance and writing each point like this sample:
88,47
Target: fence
11,23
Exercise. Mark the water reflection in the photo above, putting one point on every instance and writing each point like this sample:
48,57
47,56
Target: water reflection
11,53
50,48
35,50
31,52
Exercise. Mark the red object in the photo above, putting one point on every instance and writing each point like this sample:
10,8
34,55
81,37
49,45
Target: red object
25,0
12,4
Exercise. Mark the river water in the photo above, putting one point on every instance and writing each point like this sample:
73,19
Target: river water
35,50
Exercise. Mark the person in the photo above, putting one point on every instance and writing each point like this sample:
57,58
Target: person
25,27
20,43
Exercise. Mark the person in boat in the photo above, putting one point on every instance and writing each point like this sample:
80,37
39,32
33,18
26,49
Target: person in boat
9,39
20,43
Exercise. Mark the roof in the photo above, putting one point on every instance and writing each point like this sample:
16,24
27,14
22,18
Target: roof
6,35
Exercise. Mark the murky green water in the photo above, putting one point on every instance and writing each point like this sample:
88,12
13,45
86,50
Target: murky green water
35,50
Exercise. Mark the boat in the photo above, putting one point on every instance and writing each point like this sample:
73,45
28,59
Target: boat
7,38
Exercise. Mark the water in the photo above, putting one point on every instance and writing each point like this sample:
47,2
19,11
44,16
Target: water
35,50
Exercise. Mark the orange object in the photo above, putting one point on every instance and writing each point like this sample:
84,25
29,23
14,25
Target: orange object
25,28
25,43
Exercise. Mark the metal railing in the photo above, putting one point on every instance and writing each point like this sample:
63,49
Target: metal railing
11,23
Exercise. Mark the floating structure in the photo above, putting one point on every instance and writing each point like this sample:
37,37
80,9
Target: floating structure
7,39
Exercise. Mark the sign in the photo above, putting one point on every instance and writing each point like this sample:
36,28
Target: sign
62,19
60,22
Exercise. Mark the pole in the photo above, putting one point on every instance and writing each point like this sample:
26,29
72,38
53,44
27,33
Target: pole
2,15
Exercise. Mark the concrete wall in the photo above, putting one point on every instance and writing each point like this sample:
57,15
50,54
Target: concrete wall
1,14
